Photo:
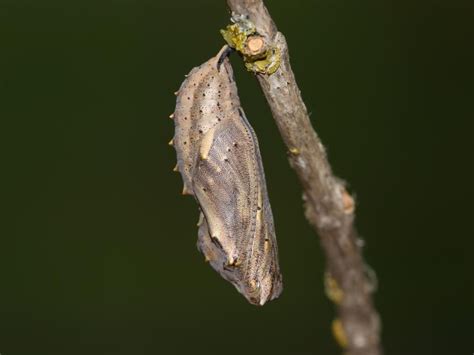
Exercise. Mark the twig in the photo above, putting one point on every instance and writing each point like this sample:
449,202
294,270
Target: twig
328,206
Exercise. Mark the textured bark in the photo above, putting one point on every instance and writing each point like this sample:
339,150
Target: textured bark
328,206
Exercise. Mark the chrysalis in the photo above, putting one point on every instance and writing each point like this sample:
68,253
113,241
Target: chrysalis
219,160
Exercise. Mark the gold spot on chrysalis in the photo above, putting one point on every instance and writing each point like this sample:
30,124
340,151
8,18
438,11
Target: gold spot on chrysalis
266,246
185,191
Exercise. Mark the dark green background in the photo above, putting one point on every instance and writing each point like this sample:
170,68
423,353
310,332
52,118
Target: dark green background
97,250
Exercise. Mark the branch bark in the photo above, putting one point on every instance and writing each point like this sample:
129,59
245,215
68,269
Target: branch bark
328,206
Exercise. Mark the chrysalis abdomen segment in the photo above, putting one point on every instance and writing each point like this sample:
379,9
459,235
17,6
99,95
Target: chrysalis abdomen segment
204,100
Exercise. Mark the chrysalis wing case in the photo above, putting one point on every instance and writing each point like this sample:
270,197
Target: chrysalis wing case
219,160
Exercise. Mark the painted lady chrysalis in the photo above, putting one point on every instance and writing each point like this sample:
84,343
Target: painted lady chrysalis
220,163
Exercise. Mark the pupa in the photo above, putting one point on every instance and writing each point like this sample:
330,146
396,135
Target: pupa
219,160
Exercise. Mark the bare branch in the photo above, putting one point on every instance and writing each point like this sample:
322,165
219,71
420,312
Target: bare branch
328,206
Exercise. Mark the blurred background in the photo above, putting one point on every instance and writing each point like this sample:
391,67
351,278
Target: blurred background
97,249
